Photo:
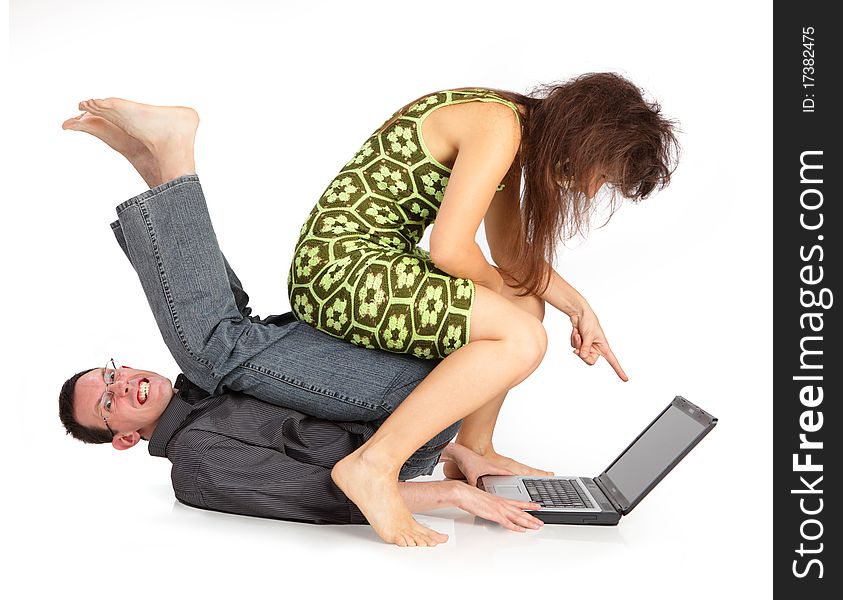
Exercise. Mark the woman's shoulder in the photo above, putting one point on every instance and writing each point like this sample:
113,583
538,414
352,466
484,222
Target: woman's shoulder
495,115
487,127
457,100
458,110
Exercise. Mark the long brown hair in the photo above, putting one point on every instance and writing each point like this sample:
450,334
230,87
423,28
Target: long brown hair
593,124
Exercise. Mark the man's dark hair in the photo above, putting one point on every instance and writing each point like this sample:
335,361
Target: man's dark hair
89,435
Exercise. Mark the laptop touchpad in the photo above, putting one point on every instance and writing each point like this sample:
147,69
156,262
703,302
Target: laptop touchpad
509,491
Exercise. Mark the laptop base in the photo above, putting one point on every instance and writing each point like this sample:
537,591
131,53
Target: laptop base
602,513
551,518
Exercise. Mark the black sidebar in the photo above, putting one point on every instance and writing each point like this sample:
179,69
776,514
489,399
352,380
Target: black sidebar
808,438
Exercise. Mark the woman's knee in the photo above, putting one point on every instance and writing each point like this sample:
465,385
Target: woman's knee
522,337
496,317
527,343
523,349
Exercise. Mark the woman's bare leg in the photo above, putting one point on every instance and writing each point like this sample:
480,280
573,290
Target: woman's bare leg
507,344
477,436
478,427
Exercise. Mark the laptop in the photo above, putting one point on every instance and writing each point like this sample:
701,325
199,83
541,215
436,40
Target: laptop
602,500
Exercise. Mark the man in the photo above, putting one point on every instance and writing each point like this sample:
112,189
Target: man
232,451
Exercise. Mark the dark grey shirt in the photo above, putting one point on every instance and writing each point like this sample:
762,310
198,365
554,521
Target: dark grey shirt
233,453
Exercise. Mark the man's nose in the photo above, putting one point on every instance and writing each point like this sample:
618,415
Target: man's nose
120,387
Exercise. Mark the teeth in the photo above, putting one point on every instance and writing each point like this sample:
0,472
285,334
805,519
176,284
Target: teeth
144,388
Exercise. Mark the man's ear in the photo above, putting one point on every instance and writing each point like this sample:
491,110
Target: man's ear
124,441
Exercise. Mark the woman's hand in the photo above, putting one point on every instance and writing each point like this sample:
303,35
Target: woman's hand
589,342
509,513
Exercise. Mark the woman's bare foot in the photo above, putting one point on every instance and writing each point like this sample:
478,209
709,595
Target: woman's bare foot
375,492
168,132
134,151
451,471
516,467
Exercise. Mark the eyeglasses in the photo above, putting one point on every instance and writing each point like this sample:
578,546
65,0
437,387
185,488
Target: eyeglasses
109,374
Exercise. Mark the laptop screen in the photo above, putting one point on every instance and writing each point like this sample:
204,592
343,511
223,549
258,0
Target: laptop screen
656,451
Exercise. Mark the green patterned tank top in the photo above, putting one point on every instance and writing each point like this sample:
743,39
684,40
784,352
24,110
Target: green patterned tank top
357,272
391,189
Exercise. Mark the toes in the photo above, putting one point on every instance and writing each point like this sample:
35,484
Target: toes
88,106
418,536
72,122
429,535
95,106
440,538
424,539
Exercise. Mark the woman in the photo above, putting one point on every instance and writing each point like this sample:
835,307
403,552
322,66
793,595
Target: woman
453,159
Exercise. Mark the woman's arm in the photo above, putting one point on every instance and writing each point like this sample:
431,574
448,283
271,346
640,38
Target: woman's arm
562,295
503,225
487,141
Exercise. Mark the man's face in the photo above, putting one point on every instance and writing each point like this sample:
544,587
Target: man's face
136,406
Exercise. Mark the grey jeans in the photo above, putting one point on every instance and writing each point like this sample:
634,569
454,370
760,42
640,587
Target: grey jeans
203,315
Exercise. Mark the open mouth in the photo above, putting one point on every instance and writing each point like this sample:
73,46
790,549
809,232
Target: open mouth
143,390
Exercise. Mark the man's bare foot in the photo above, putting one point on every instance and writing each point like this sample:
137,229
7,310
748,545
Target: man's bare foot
375,492
451,471
134,151
168,132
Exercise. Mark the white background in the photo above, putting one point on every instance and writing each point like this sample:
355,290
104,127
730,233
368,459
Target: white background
681,282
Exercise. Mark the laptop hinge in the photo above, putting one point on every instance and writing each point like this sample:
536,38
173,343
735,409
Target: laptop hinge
608,494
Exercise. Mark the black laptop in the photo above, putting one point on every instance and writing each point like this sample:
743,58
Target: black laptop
604,499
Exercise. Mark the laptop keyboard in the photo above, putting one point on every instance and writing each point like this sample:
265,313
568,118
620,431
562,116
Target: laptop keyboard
556,493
